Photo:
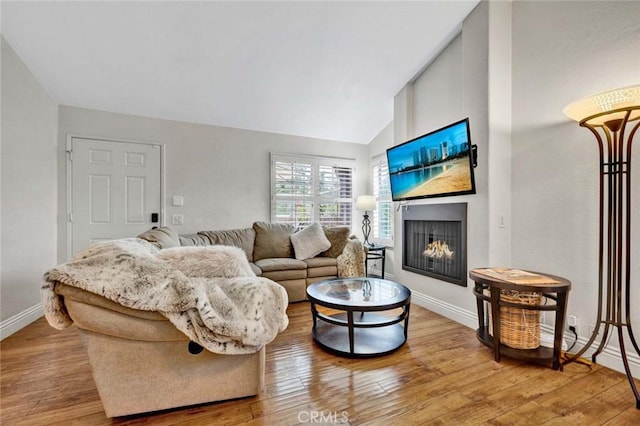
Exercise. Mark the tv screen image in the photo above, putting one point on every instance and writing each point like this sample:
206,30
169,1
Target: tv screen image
436,164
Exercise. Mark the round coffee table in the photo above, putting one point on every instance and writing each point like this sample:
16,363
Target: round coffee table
358,331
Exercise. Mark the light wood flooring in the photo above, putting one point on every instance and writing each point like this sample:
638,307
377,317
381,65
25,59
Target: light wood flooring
441,376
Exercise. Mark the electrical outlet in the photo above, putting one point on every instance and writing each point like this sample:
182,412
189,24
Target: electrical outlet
572,321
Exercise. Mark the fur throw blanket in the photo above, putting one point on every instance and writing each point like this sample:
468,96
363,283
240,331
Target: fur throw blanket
208,293
351,261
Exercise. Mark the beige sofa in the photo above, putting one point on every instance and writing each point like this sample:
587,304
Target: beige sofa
271,253
141,362
146,316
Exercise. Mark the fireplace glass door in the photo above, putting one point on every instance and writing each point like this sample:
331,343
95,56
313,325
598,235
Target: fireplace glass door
434,248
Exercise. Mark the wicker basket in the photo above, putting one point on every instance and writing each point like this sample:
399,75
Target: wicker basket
519,328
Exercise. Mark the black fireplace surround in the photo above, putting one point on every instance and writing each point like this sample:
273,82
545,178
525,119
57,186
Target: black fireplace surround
435,241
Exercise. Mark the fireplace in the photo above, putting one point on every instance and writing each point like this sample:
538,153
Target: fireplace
435,241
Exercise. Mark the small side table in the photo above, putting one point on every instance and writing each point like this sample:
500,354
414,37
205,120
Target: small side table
495,280
375,252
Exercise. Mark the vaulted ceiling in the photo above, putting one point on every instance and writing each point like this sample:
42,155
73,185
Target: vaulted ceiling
326,70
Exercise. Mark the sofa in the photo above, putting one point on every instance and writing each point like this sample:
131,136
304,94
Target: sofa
293,258
141,363
162,333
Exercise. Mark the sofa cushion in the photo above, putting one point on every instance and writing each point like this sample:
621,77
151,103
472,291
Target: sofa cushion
272,241
280,264
309,242
243,238
256,270
162,237
291,274
323,271
320,261
322,267
279,269
338,237
189,240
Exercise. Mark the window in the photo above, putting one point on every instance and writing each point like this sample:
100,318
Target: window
382,227
311,189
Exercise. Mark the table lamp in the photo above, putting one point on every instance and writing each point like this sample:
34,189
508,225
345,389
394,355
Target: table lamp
366,203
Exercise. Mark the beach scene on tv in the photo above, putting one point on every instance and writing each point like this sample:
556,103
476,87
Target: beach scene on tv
432,165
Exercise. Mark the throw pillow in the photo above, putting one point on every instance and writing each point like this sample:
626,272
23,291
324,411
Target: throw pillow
272,240
338,236
309,242
209,261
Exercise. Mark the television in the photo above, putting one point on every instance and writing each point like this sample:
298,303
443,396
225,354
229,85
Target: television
436,164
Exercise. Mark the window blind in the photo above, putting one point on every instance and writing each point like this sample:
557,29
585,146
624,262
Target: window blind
383,215
311,189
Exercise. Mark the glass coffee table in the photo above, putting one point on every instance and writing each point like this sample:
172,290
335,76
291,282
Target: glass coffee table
359,329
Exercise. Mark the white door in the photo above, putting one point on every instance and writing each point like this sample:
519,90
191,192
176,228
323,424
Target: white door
115,190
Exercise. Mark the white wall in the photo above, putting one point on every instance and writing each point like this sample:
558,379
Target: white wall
378,146
512,70
452,87
499,148
562,52
28,218
222,173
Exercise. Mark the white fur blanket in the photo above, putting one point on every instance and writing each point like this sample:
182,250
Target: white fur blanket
233,313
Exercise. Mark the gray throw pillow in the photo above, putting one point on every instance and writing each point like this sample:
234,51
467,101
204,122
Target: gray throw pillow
272,240
309,242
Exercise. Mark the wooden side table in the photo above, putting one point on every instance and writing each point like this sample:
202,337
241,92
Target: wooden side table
495,280
375,252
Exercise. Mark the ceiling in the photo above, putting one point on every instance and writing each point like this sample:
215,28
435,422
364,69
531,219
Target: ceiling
326,70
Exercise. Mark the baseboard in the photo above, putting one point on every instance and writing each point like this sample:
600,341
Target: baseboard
19,321
610,357
455,313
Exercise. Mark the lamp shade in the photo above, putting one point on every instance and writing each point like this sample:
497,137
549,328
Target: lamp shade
594,109
366,202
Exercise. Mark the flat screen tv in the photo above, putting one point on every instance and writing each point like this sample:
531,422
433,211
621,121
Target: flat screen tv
437,164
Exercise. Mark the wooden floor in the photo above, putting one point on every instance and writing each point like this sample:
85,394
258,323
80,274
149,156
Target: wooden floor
442,376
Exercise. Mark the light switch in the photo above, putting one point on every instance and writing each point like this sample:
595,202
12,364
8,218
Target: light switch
177,219
177,200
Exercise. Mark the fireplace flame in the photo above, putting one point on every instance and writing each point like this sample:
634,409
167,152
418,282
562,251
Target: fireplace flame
438,249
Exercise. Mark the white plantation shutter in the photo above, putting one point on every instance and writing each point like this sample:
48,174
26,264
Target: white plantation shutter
382,227
335,195
311,189
292,189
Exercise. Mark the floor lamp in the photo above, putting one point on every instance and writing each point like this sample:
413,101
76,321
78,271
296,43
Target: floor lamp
614,118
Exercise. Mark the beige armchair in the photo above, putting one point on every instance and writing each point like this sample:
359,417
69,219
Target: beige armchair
141,362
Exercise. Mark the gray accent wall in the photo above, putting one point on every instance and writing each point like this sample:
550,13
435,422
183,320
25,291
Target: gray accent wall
452,87
28,190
